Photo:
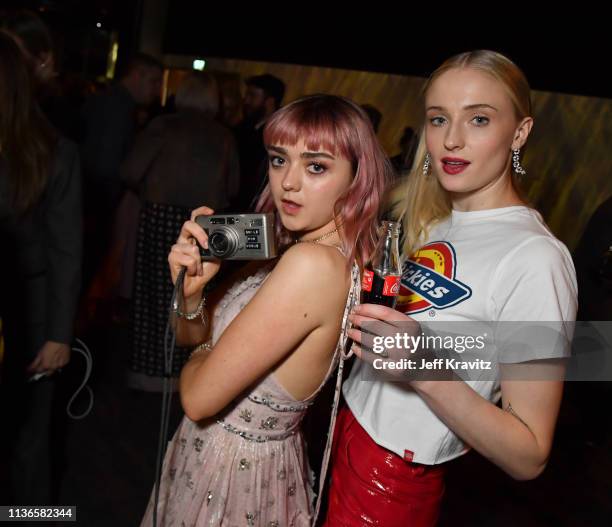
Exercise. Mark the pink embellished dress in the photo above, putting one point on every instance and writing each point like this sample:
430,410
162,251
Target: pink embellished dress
247,466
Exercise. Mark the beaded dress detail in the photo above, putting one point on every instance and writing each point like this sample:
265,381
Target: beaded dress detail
247,466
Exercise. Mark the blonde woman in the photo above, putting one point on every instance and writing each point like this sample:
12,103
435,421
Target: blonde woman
238,457
474,252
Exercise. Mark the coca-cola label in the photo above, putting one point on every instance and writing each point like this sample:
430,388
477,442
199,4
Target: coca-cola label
392,286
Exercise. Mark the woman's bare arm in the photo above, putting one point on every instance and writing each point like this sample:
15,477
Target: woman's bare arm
294,301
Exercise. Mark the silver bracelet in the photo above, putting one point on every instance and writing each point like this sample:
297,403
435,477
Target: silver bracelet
199,312
205,346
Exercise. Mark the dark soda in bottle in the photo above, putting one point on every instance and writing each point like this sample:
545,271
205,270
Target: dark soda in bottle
380,283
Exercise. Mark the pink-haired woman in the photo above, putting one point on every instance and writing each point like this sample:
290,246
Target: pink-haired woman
238,457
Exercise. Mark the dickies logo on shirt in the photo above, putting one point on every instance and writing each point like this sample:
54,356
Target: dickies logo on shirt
429,280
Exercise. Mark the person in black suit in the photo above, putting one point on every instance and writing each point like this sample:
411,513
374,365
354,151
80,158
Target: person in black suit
264,95
40,236
109,124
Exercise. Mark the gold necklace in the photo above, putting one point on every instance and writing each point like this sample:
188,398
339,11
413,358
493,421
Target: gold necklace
317,240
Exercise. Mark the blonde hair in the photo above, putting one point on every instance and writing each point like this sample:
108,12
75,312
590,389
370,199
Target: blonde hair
420,201
198,91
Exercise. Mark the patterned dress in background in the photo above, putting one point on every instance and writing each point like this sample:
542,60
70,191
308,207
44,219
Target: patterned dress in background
158,228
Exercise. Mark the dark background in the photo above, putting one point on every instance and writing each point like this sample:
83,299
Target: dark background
564,50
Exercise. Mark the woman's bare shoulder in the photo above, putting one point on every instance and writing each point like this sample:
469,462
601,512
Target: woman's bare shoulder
318,273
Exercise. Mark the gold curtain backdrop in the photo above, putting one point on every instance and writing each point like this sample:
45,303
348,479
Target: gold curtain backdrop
568,157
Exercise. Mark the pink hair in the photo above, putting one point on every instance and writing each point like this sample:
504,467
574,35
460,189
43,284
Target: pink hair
340,126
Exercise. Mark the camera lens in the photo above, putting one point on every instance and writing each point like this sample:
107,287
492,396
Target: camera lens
219,243
222,244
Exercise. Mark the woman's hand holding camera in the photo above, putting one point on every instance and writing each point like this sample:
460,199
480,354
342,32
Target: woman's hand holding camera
186,253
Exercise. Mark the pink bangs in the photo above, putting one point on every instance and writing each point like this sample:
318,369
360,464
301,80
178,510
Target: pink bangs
318,125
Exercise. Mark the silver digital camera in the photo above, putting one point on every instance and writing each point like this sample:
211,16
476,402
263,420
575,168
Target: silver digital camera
238,236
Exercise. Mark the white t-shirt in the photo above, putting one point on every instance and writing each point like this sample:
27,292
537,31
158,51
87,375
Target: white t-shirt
489,265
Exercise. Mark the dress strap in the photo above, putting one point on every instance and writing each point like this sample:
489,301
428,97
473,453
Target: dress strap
340,248
351,301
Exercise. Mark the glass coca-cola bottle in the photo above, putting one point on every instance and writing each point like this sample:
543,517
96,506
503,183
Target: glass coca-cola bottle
380,283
